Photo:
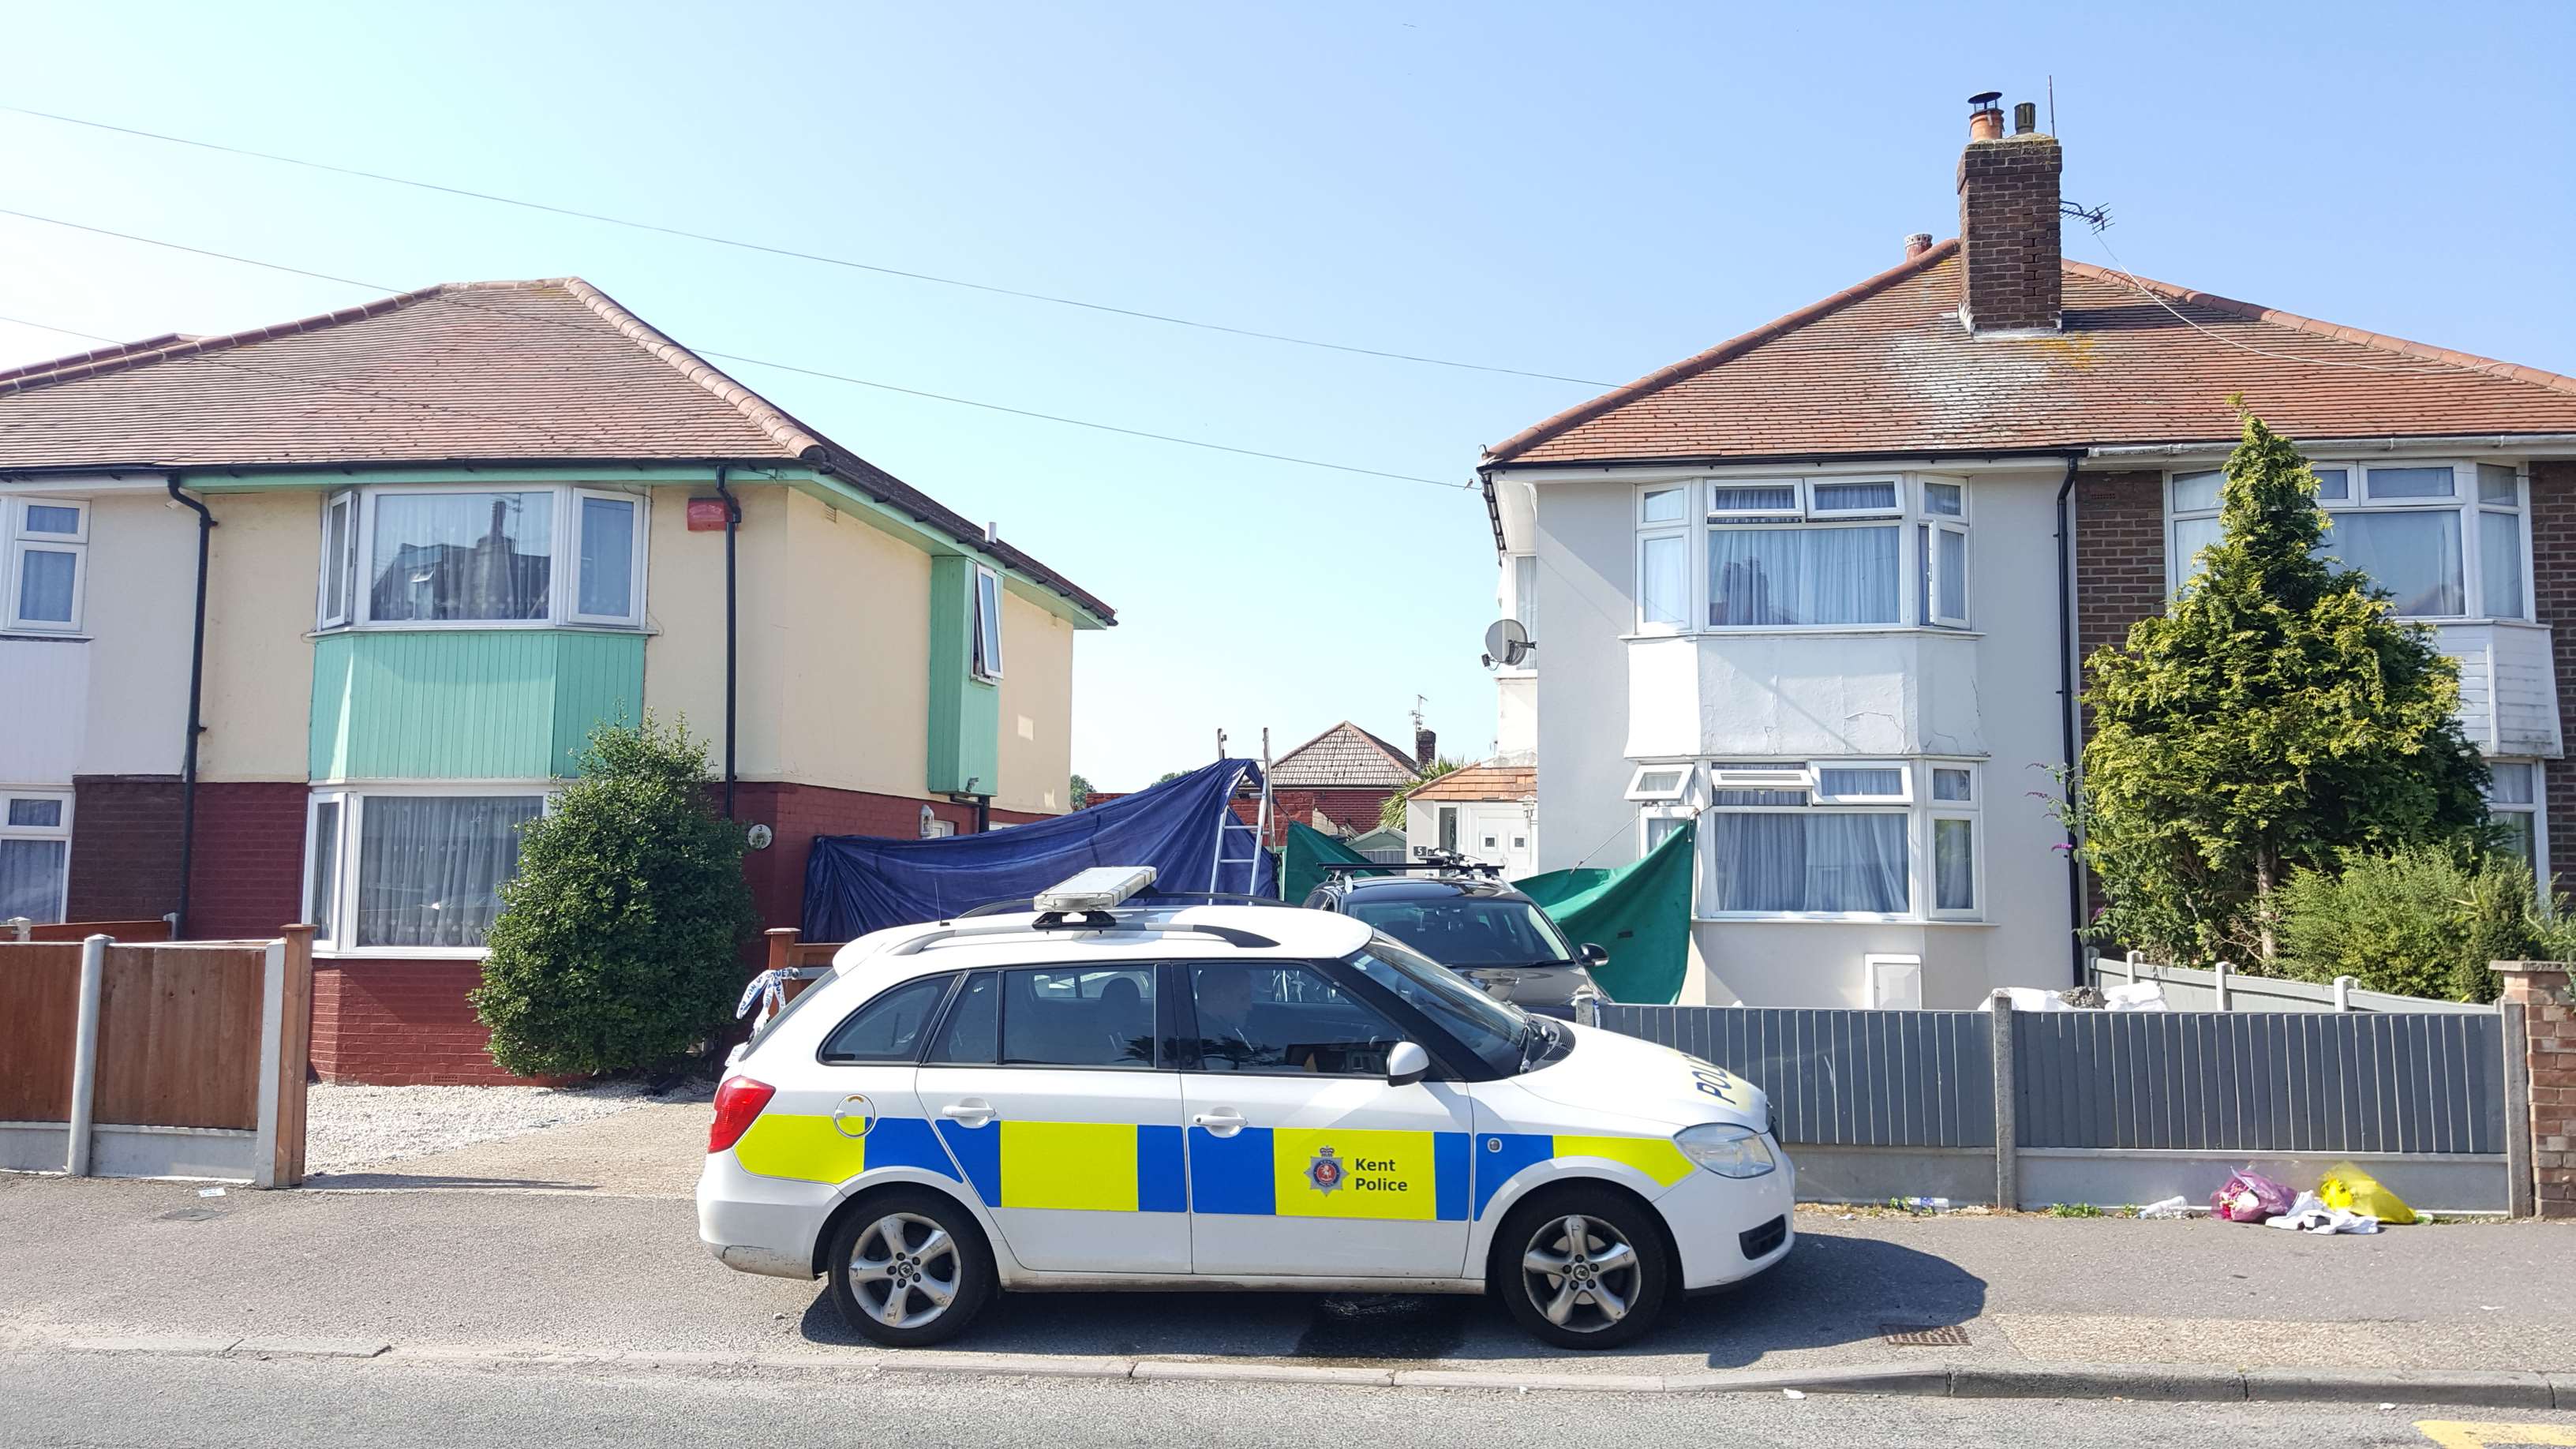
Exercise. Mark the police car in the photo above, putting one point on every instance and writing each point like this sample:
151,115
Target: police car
1104,1090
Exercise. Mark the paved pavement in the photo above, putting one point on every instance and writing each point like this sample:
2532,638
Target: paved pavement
60,1399
574,1267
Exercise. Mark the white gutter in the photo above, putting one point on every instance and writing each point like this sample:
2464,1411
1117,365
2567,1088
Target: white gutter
2438,443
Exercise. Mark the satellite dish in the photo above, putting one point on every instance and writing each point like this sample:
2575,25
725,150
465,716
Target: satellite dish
1507,641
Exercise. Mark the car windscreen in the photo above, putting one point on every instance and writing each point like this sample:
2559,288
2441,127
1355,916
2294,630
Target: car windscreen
1466,930
1493,1030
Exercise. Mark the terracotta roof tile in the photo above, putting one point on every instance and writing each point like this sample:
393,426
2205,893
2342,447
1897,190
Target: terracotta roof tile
1480,782
1342,755
458,373
1884,367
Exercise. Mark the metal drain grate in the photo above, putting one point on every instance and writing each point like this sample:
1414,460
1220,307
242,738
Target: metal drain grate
1916,1335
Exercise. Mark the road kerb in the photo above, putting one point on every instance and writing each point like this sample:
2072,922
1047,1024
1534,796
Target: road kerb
310,1348
1486,1379
1044,1365
1931,1379
2168,1383
1264,1373
2484,1388
152,1343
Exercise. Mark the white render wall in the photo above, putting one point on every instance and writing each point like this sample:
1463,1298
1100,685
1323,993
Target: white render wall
1504,821
112,698
1608,698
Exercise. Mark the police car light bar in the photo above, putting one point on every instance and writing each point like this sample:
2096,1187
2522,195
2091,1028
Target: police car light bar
1096,889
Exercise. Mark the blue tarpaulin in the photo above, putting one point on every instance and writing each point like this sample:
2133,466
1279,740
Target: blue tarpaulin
855,884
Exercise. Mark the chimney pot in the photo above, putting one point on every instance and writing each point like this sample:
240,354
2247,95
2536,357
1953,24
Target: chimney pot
1917,244
2025,118
1985,120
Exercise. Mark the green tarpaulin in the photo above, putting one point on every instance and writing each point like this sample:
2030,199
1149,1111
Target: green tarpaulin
1639,913
1303,858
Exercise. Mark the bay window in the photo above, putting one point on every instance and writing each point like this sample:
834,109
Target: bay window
1825,838
434,555
35,853
411,869
42,570
1803,553
2513,802
2445,540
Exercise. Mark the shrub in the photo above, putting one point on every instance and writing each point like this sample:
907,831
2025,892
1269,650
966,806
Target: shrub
2417,922
617,944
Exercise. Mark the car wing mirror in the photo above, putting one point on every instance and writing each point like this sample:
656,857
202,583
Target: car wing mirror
1406,1064
1592,955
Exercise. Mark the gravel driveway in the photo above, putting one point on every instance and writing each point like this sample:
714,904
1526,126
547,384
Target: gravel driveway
350,1127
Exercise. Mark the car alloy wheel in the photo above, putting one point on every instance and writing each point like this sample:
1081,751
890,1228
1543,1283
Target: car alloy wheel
1580,1274
905,1270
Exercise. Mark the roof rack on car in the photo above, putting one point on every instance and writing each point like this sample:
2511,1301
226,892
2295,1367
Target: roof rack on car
1081,902
1453,864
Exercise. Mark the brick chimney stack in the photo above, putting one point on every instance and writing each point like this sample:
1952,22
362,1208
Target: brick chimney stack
2008,250
1425,749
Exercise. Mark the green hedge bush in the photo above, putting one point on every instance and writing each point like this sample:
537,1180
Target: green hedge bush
618,942
2420,922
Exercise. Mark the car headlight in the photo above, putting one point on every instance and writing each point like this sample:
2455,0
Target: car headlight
1726,1149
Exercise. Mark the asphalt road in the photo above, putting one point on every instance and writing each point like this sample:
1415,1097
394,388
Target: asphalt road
607,1274
91,1400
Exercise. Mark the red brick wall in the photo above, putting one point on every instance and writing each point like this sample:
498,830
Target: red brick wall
2553,580
795,814
2008,232
2119,556
125,847
246,875
1352,809
400,1023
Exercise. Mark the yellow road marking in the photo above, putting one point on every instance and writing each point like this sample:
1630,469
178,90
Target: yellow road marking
2461,1434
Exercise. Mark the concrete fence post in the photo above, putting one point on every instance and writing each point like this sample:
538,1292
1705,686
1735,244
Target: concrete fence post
2007,1160
2539,1014
2343,986
2219,973
20,928
93,976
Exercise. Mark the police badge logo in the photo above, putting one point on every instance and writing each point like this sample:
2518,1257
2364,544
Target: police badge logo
1325,1170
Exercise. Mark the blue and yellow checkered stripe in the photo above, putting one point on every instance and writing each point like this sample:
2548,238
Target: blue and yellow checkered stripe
1374,1174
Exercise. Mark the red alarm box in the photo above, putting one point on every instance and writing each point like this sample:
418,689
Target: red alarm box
706,515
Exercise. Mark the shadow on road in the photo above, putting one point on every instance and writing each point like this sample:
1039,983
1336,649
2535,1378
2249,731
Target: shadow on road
1829,1291
432,1182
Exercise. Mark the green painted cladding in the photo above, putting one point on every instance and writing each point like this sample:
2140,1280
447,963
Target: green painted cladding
467,704
965,712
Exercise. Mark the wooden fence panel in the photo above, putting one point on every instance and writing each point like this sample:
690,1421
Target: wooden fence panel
179,1034
39,1011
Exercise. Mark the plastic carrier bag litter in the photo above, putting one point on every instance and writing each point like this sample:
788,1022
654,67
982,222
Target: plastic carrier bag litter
2354,1190
2250,1197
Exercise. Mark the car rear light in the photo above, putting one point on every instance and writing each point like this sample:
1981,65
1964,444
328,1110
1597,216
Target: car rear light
738,1101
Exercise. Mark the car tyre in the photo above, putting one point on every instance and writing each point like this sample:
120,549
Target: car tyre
910,1268
1582,1267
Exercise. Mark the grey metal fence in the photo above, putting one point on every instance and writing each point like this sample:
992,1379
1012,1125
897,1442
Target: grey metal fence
2272,1082
1844,1078
2115,1106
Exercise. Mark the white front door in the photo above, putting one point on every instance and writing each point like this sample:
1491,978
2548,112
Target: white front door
1304,1161
1044,1085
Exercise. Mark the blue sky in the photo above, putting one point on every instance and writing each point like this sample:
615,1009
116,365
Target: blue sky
1588,190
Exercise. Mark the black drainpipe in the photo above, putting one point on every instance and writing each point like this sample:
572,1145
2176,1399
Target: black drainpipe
2068,705
196,701
733,520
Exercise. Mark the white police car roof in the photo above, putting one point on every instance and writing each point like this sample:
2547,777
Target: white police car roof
1141,932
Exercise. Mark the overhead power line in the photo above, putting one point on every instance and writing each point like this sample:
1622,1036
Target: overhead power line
823,258
798,368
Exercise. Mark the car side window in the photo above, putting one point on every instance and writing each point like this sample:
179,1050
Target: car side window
973,1031
888,1029
1073,1016
1286,1019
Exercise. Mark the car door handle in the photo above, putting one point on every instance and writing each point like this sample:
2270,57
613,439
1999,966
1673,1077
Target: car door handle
971,1113
1223,1122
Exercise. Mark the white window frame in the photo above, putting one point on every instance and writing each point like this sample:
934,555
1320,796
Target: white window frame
1683,771
1816,510
2463,502
342,570
1937,574
1915,803
1678,534
1913,551
60,831
352,797
1796,509
564,561
984,649
634,614
19,542
1970,810
2538,810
